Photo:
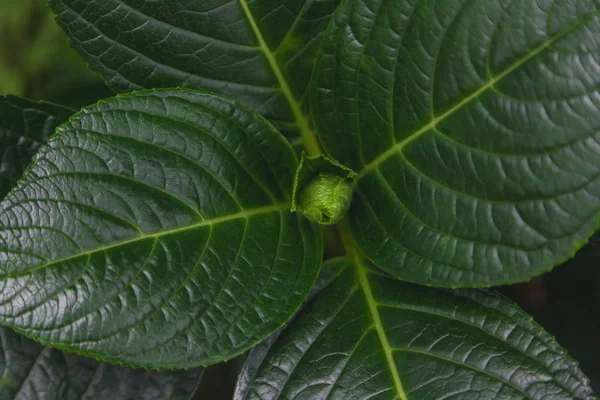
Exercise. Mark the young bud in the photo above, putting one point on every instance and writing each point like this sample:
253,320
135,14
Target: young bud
322,189
326,199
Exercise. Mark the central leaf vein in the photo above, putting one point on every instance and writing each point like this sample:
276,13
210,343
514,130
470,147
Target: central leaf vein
385,344
308,137
355,256
203,223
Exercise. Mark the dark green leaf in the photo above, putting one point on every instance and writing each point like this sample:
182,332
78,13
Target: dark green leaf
370,336
259,52
474,128
154,230
28,370
31,371
24,126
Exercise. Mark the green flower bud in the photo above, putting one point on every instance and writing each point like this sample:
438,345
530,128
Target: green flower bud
326,199
322,189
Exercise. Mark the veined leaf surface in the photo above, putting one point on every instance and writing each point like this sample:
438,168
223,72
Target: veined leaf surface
24,126
473,126
370,336
27,369
154,230
259,52
31,371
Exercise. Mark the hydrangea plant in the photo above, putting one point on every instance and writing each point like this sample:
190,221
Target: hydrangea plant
451,144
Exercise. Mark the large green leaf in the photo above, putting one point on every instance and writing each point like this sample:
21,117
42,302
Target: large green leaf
474,128
31,371
259,52
24,126
154,230
27,369
370,336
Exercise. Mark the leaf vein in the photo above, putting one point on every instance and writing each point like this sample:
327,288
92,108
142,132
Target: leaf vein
494,80
310,141
204,223
199,35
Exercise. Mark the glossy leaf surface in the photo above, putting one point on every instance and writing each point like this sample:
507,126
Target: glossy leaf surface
154,230
370,336
473,126
260,52
31,371
24,126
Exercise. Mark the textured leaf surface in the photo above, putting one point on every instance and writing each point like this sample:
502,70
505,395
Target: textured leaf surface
370,336
474,128
24,126
154,230
31,371
257,51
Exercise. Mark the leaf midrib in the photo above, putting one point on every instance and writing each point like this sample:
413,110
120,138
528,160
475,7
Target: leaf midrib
308,137
385,344
490,84
206,222
357,260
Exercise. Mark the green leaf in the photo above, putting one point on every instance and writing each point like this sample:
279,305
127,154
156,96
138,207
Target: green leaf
154,230
259,52
473,126
24,126
31,371
370,336
27,369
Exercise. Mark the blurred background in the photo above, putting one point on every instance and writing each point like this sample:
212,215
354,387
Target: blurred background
36,62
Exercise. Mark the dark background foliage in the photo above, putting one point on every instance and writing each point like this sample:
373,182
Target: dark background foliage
36,62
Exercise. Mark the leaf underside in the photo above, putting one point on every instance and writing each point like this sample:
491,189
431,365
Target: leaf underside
256,51
31,371
24,126
368,335
154,230
473,126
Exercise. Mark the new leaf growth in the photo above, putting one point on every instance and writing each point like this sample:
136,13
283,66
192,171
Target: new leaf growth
322,189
